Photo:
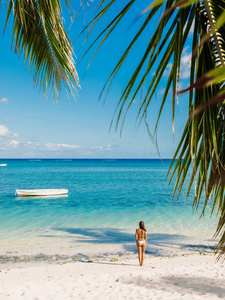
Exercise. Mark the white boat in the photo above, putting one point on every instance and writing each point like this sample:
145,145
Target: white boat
42,192
3,165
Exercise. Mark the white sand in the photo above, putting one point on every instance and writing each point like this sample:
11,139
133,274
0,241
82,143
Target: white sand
191,276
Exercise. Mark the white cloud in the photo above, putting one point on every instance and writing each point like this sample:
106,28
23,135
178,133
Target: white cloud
185,64
33,145
32,148
168,69
4,100
13,143
186,60
52,146
104,148
4,132
7,144
191,30
15,135
78,149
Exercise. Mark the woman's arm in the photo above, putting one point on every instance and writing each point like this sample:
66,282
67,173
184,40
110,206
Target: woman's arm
136,235
146,238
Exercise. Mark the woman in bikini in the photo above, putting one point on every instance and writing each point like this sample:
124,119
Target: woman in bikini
141,241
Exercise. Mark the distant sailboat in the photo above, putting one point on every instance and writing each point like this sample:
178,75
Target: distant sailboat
3,165
41,192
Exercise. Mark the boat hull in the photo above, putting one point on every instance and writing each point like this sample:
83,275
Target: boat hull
41,192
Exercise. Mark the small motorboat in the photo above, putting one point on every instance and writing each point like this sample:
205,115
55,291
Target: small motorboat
41,192
3,165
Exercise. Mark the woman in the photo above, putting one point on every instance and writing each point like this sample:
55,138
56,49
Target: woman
141,241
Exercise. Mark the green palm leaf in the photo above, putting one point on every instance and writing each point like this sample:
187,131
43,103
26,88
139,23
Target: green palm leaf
39,35
201,148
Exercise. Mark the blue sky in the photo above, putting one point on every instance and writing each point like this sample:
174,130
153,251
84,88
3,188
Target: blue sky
32,126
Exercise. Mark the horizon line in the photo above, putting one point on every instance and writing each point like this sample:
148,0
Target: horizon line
94,158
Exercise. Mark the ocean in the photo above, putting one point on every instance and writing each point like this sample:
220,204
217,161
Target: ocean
105,202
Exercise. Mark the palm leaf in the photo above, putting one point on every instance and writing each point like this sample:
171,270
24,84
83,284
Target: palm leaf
201,148
39,35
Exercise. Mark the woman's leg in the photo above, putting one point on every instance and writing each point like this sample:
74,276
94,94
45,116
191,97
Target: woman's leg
143,253
139,254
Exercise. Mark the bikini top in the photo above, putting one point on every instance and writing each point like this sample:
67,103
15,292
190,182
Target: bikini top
140,234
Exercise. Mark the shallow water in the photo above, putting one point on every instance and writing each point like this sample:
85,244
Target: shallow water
106,200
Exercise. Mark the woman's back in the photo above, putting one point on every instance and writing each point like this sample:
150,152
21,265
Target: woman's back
141,234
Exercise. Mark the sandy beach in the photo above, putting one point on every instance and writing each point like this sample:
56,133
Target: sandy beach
184,276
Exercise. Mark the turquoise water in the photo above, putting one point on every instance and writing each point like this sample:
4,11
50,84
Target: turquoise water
106,200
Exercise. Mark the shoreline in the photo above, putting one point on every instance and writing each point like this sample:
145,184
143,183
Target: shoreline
109,252
56,252
106,252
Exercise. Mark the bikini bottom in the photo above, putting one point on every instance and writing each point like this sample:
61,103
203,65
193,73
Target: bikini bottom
141,242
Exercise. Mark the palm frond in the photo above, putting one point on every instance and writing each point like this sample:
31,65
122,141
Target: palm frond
39,35
201,148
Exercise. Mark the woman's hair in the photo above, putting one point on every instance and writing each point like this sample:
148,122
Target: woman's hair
142,225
